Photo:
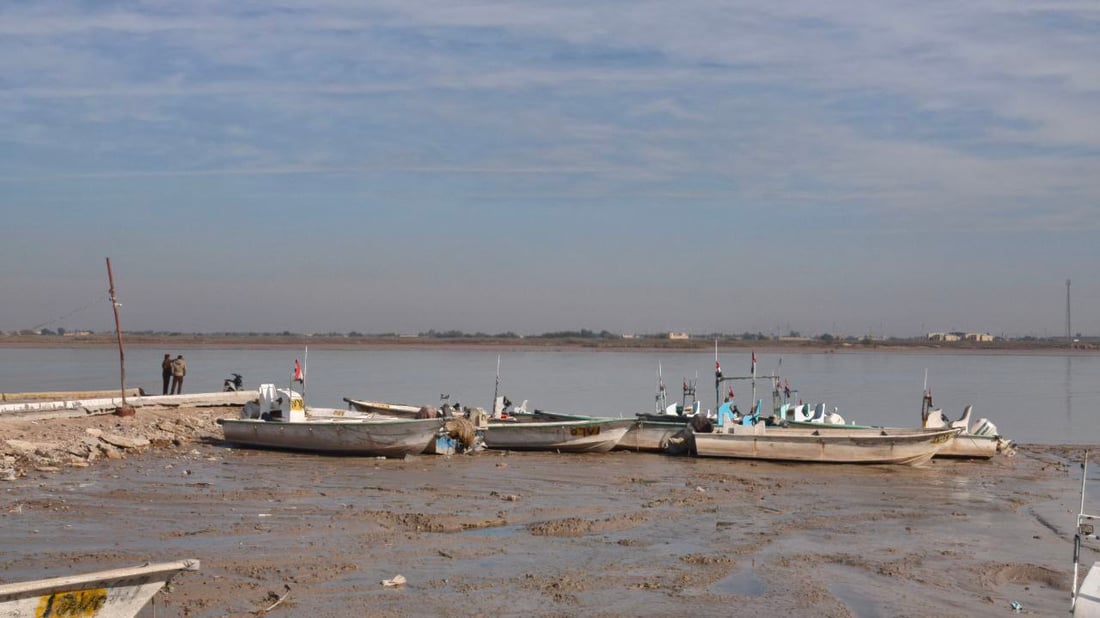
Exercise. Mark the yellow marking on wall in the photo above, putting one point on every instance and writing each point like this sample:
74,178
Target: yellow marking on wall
71,604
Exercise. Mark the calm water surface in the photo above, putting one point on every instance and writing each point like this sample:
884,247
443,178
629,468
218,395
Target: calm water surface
1047,399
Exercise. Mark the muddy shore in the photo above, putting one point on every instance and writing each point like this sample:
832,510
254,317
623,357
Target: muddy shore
531,534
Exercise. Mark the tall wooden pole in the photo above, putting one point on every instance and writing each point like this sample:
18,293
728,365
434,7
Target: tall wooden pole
124,409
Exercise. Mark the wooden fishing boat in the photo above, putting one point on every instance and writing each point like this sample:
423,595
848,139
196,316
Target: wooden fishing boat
962,446
115,593
345,436
874,446
280,419
980,441
581,435
646,432
379,407
653,436
654,431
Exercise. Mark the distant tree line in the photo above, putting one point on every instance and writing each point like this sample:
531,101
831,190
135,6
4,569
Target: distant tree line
582,334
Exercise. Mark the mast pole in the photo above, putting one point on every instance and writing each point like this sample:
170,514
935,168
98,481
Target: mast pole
717,378
496,390
124,409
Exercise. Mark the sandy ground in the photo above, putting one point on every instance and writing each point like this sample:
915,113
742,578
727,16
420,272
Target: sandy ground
543,534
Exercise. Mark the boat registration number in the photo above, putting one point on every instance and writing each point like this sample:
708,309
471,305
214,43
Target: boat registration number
297,404
75,603
585,431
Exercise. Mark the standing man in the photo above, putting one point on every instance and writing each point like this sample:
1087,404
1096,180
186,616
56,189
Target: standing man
179,369
165,373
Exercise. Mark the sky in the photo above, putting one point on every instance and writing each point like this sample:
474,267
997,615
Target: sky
847,167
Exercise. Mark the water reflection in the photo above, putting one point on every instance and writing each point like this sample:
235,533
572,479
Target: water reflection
1069,391
1017,392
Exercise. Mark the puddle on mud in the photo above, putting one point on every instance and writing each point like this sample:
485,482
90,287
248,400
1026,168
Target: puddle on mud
858,603
742,582
495,531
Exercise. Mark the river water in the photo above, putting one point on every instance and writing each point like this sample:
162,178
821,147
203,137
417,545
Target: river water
1032,398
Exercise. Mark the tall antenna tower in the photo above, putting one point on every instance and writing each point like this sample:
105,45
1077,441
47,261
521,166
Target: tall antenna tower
1069,338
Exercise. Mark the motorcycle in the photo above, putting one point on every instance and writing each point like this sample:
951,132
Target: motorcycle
234,383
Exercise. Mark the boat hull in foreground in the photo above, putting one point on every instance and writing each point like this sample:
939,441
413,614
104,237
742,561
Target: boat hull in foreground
116,593
650,436
333,435
970,446
575,436
962,446
881,446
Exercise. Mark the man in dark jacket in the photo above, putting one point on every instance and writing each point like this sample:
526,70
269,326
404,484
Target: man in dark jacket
165,373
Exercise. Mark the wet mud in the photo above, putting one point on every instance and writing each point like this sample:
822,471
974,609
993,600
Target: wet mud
554,535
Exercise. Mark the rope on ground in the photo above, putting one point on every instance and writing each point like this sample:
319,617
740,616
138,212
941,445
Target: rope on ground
280,599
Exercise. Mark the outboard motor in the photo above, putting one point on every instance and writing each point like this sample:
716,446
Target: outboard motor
276,404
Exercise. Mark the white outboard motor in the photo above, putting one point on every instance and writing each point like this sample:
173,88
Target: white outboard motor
833,418
985,428
935,419
276,404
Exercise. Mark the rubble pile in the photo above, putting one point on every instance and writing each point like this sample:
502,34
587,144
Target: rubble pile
51,445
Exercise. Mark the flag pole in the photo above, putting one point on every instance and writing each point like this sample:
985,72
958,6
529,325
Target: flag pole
305,370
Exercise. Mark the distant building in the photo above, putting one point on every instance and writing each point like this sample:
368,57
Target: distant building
946,337
678,336
629,335
979,337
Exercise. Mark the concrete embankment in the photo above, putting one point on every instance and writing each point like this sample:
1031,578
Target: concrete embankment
72,407
66,395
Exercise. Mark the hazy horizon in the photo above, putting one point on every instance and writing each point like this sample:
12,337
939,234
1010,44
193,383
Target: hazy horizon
847,168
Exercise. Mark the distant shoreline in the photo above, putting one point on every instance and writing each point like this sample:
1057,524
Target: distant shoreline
537,343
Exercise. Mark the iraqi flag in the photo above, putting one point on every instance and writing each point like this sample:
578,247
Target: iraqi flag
717,367
298,377
754,362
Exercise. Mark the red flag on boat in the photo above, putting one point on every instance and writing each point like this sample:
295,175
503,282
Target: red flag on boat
754,362
297,372
731,392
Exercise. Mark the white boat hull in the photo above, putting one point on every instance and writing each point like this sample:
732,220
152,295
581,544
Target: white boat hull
578,436
1087,599
650,436
962,446
117,593
386,438
968,446
906,447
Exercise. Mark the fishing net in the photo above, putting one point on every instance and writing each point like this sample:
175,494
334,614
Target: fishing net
462,430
